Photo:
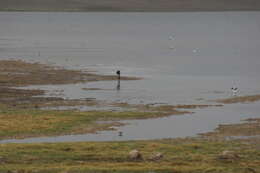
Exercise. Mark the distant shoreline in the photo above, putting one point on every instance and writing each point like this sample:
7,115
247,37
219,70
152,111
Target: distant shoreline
75,11
128,5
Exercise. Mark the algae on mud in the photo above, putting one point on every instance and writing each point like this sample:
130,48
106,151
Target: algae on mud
20,73
240,99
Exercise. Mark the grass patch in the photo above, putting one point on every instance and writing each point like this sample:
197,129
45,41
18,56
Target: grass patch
249,127
179,155
21,123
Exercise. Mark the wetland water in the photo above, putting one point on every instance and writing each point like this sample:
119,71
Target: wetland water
185,58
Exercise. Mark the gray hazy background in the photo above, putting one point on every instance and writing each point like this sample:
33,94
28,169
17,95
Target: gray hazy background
128,5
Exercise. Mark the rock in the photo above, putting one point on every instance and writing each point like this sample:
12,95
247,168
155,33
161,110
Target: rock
67,149
9,171
64,172
22,171
2,160
18,171
156,156
250,170
135,155
228,155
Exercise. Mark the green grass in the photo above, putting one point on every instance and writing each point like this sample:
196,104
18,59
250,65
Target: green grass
183,156
16,122
19,123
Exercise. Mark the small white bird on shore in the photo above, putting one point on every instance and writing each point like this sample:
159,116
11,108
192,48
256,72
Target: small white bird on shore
195,50
172,47
171,37
234,90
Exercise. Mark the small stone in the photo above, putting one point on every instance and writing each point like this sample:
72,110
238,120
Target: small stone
156,156
21,171
9,171
228,155
135,155
67,149
80,162
2,160
250,170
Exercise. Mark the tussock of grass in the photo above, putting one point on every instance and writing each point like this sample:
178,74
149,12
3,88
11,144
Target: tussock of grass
184,156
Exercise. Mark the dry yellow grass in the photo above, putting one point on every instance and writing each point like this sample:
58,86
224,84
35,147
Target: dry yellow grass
179,155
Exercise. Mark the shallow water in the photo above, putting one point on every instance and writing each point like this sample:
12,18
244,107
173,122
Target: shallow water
185,58
204,120
166,89
205,43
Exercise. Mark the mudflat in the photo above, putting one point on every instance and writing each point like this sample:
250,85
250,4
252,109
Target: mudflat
20,73
21,116
24,112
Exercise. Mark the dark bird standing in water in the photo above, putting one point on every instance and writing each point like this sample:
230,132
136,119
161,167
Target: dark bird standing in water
120,133
118,79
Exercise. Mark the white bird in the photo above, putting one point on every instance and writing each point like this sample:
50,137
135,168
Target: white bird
195,50
234,90
171,37
172,47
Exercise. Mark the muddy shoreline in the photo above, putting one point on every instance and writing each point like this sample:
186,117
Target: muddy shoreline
17,73
130,5
20,73
247,128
